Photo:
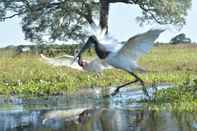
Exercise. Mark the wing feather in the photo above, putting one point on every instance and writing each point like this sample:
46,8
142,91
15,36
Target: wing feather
110,43
139,45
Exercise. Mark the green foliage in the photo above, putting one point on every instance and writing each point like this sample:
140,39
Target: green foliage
182,97
59,19
49,50
164,11
67,19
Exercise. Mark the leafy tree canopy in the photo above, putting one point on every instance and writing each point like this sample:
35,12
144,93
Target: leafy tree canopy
66,19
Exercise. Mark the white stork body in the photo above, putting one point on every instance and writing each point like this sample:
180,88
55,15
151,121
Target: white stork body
123,56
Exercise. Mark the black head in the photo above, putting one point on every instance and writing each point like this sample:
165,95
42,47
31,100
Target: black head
92,40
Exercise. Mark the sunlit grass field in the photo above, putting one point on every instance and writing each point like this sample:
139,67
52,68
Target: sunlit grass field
173,64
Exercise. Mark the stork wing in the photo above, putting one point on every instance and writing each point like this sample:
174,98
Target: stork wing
110,43
139,45
97,31
61,61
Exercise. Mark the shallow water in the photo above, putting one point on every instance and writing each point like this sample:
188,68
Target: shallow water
89,111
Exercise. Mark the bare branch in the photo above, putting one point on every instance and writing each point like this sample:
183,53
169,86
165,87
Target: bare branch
28,7
151,14
123,1
137,2
11,16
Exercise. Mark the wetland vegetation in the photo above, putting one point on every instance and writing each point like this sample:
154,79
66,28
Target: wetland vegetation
26,75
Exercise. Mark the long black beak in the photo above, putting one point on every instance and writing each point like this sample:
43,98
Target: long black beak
83,49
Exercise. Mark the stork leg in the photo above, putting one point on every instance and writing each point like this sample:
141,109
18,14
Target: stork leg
128,83
119,87
142,83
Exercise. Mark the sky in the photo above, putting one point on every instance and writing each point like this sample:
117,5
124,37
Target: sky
122,25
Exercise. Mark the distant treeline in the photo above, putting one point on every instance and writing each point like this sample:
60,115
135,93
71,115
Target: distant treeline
55,49
50,50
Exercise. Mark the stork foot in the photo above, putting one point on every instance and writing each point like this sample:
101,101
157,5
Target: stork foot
142,83
144,88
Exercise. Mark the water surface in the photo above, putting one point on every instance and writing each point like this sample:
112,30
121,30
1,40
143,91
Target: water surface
87,110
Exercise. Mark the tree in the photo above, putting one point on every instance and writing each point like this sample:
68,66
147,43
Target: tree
67,19
181,38
56,19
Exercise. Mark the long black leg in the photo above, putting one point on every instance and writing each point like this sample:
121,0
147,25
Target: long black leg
141,82
128,83
118,88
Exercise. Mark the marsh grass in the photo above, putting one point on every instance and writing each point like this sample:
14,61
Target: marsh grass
27,75
182,97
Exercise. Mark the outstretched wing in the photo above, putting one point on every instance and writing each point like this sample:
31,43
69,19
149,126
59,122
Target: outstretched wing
139,45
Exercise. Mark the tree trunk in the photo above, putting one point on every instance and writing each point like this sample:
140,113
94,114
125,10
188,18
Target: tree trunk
104,12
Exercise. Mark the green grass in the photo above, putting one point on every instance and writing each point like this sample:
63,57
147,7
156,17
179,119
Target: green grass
182,97
27,75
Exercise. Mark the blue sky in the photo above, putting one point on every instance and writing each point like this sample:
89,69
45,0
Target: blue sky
122,25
